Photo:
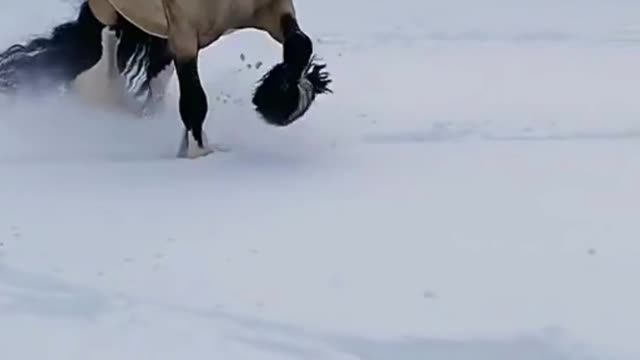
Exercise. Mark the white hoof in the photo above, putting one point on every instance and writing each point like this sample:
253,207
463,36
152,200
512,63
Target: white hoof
189,148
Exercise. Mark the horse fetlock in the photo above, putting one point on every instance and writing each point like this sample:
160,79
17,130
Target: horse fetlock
193,109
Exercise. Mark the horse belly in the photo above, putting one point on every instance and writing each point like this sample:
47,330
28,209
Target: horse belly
148,15
210,18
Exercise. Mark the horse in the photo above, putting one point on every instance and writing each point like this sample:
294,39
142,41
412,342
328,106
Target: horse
157,38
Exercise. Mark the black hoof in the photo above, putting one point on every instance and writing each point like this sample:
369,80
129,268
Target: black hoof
281,98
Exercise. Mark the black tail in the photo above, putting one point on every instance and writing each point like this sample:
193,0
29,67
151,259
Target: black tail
46,62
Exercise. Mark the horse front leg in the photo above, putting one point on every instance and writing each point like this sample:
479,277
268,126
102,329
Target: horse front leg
193,107
287,91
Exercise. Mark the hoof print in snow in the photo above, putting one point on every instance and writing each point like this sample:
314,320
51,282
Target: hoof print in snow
429,295
15,232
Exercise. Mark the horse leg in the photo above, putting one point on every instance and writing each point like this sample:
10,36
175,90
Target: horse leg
144,62
297,47
48,62
287,91
193,109
158,84
193,104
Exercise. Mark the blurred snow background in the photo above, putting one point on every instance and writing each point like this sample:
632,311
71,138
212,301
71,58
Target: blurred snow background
468,193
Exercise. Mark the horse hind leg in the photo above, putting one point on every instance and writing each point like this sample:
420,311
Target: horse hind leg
56,60
101,86
145,65
287,91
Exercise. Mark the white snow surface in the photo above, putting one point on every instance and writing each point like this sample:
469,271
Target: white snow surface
469,192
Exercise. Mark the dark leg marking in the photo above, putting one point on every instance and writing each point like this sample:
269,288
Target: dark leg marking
193,100
298,48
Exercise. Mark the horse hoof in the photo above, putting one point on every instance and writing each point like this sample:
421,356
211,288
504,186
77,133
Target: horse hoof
190,149
194,153
280,101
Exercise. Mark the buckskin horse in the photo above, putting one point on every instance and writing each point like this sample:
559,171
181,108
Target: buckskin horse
156,36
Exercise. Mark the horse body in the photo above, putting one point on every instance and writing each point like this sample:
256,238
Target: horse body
208,17
165,36
190,25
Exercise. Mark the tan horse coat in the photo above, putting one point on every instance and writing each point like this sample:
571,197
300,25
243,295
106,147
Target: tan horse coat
191,25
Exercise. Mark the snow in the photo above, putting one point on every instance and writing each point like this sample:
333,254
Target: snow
469,192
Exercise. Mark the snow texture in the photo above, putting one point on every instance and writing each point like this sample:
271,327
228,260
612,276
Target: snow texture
469,192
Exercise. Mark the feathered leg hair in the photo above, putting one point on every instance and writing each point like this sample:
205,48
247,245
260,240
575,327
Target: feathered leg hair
141,58
285,93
